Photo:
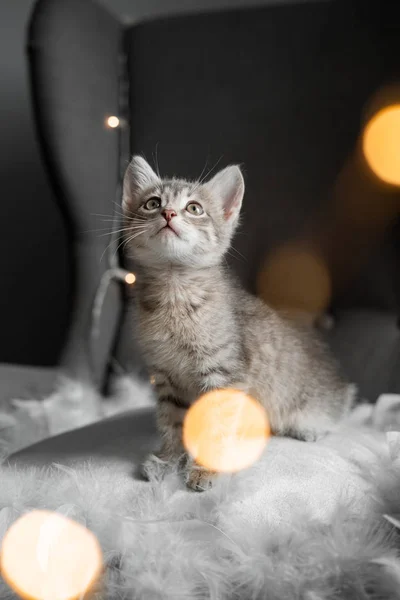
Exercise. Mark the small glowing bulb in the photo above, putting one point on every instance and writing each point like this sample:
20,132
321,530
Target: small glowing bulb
46,555
381,144
130,278
113,122
226,431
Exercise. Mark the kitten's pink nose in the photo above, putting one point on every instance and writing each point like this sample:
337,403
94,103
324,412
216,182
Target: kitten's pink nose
168,213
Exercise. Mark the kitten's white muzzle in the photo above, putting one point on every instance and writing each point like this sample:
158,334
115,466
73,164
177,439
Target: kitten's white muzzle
168,229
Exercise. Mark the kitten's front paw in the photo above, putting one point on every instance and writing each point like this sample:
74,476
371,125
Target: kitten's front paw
155,468
199,479
306,435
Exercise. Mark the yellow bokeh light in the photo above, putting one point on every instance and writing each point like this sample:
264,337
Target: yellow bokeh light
295,278
113,122
130,278
45,556
381,144
225,431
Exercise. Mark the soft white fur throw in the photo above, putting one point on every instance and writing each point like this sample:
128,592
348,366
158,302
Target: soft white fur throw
73,404
306,522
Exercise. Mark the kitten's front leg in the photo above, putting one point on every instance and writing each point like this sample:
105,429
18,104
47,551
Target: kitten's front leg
172,454
307,426
199,478
170,414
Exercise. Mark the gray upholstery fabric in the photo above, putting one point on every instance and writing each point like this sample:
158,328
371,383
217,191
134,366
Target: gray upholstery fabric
25,383
75,70
120,441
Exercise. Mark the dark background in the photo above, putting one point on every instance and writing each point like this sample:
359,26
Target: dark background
34,262
34,269
33,248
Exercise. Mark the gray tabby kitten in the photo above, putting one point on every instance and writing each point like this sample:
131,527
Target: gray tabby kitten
199,330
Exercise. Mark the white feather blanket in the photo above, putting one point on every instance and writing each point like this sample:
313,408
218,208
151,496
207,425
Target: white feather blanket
306,522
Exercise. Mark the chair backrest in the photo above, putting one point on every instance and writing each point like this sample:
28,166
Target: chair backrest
77,80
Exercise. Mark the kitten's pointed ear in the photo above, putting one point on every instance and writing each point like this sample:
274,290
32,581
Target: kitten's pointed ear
139,176
228,186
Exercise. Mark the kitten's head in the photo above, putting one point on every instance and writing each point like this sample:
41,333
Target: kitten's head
173,221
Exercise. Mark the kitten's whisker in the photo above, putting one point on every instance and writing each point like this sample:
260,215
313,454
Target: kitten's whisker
212,168
112,241
239,253
135,220
95,230
124,242
197,182
115,212
108,220
234,256
135,235
202,179
137,227
115,232
118,208
110,230
203,169
156,161
107,248
106,229
110,217
116,222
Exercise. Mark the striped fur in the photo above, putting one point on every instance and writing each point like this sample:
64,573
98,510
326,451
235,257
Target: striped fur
200,331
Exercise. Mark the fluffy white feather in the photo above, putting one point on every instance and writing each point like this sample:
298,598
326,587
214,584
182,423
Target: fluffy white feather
312,528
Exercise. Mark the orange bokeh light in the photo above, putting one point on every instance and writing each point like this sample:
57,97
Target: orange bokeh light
226,431
381,144
295,278
45,556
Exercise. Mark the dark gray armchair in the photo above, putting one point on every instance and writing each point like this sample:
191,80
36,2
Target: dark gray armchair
281,87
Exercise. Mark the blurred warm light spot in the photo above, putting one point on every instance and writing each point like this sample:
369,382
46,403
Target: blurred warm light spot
294,279
225,431
130,278
361,205
152,380
46,556
381,144
113,122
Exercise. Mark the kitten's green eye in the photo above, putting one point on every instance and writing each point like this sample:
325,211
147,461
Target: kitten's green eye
194,209
152,204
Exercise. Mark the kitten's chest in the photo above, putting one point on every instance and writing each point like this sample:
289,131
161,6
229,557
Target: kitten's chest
178,325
